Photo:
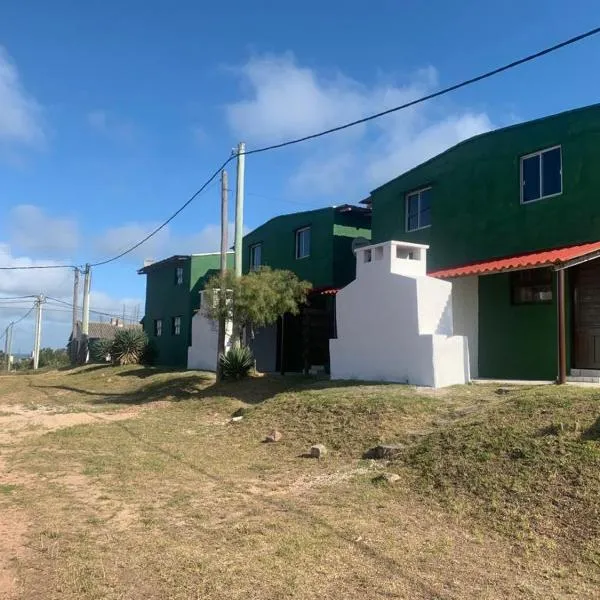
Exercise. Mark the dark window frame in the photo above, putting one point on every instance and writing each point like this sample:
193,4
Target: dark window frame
531,282
540,155
251,255
158,330
179,271
297,235
174,325
408,215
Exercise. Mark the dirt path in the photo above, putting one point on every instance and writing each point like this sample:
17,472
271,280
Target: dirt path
16,423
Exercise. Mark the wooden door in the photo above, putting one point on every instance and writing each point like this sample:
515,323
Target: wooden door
586,303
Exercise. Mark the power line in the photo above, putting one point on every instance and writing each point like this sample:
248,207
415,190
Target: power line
17,297
24,268
116,313
24,316
165,223
446,90
325,132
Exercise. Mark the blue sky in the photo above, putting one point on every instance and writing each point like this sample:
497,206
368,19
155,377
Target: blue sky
112,113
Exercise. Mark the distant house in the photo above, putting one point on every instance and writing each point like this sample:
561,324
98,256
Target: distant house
173,287
318,246
99,331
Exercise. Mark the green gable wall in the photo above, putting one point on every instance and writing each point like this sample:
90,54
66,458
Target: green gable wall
331,262
476,212
165,299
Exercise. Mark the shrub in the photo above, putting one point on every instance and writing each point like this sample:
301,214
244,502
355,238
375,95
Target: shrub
100,350
128,347
150,354
236,363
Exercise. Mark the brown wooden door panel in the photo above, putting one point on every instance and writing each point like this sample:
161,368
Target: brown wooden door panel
586,304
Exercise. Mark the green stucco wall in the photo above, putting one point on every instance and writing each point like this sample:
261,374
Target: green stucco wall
165,300
476,211
331,262
477,215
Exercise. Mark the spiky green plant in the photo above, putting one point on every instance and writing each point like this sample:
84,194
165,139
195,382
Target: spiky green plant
99,350
128,346
236,363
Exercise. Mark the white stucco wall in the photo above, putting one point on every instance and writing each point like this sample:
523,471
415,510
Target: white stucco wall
202,354
395,324
465,312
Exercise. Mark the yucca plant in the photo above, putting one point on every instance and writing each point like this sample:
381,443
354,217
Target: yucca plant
128,347
99,350
236,363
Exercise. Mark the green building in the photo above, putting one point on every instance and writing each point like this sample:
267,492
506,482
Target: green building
317,246
491,208
173,288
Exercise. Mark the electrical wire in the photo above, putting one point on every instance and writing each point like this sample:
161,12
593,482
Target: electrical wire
443,91
128,316
13,268
325,132
165,223
24,316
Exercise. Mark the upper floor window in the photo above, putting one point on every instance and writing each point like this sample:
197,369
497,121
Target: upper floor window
541,174
255,256
303,242
176,326
157,327
418,209
179,276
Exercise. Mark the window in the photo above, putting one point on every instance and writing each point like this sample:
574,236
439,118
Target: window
179,276
368,256
176,326
533,286
418,209
255,256
303,242
157,327
541,175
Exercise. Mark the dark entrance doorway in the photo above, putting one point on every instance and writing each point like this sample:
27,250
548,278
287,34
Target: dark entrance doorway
586,315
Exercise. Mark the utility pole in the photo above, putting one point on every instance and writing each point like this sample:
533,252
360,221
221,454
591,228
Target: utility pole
74,349
38,331
239,207
85,319
9,334
223,291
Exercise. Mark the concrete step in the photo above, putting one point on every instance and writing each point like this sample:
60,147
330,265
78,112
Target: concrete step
582,379
585,372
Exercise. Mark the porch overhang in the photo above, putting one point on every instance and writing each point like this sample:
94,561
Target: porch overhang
557,259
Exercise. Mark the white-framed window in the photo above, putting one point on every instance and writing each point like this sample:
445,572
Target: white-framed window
418,209
541,174
303,242
179,276
176,326
157,327
255,256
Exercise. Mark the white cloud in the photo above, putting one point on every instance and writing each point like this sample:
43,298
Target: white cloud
288,100
163,244
20,114
112,127
32,230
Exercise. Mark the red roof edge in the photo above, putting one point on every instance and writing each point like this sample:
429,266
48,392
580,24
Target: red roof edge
530,260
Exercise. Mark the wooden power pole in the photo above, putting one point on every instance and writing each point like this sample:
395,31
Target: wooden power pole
222,291
75,315
85,318
38,331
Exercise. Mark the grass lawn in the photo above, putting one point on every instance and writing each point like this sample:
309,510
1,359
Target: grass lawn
131,483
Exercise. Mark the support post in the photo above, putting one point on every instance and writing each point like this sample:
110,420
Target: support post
561,334
9,334
282,347
75,315
223,291
239,207
38,331
85,318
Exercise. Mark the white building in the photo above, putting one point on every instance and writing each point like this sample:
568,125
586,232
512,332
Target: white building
202,354
394,323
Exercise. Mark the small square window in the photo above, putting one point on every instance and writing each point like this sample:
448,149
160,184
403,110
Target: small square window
541,175
418,209
179,276
157,327
533,286
303,242
176,326
368,256
255,256
379,253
